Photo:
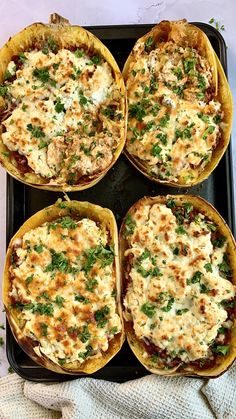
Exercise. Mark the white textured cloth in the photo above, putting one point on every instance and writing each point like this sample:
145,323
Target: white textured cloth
151,397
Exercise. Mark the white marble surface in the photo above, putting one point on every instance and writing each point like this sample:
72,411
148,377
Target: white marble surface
15,15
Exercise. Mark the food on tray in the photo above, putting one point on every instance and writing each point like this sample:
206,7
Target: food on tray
179,286
62,287
62,107
180,105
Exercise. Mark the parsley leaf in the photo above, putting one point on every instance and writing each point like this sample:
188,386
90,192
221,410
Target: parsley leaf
148,309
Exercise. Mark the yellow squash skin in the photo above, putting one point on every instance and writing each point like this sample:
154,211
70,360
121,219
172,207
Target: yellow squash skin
107,221
222,362
66,36
189,35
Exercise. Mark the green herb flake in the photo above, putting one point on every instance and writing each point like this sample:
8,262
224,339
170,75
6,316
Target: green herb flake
156,150
182,311
219,242
59,106
91,284
35,130
129,227
221,349
84,335
59,300
101,316
208,267
44,329
81,299
149,43
38,248
196,277
29,279
148,309
180,230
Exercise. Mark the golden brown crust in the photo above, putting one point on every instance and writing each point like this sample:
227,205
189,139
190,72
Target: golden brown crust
79,209
222,363
67,37
191,36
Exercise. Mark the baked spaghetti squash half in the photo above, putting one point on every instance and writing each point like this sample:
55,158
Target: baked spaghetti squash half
180,105
62,287
179,289
62,107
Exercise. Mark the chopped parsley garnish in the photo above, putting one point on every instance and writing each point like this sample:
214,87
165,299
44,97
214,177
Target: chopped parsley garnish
162,138
101,316
40,308
176,251
188,208
38,248
82,99
50,45
36,131
7,75
150,272
59,262
180,230
43,75
29,279
177,72
91,284
220,349
79,53
208,267
1,341
224,267
204,289
62,361
208,131
148,43
164,121
211,227
22,57
130,225
104,255
59,300
169,304
156,150
137,111
68,222
84,335
170,203
44,329
96,59
81,299
89,351
217,119
148,309
219,242
228,303
59,107
181,311
203,117
3,91
196,277
189,65
146,254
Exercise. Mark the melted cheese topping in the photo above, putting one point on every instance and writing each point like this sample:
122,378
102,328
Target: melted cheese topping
173,124
63,283
66,116
175,283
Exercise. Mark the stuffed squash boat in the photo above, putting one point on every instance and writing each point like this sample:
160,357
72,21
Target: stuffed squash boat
62,287
180,105
62,107
179,286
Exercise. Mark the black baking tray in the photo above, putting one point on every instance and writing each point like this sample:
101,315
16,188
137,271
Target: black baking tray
118,190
